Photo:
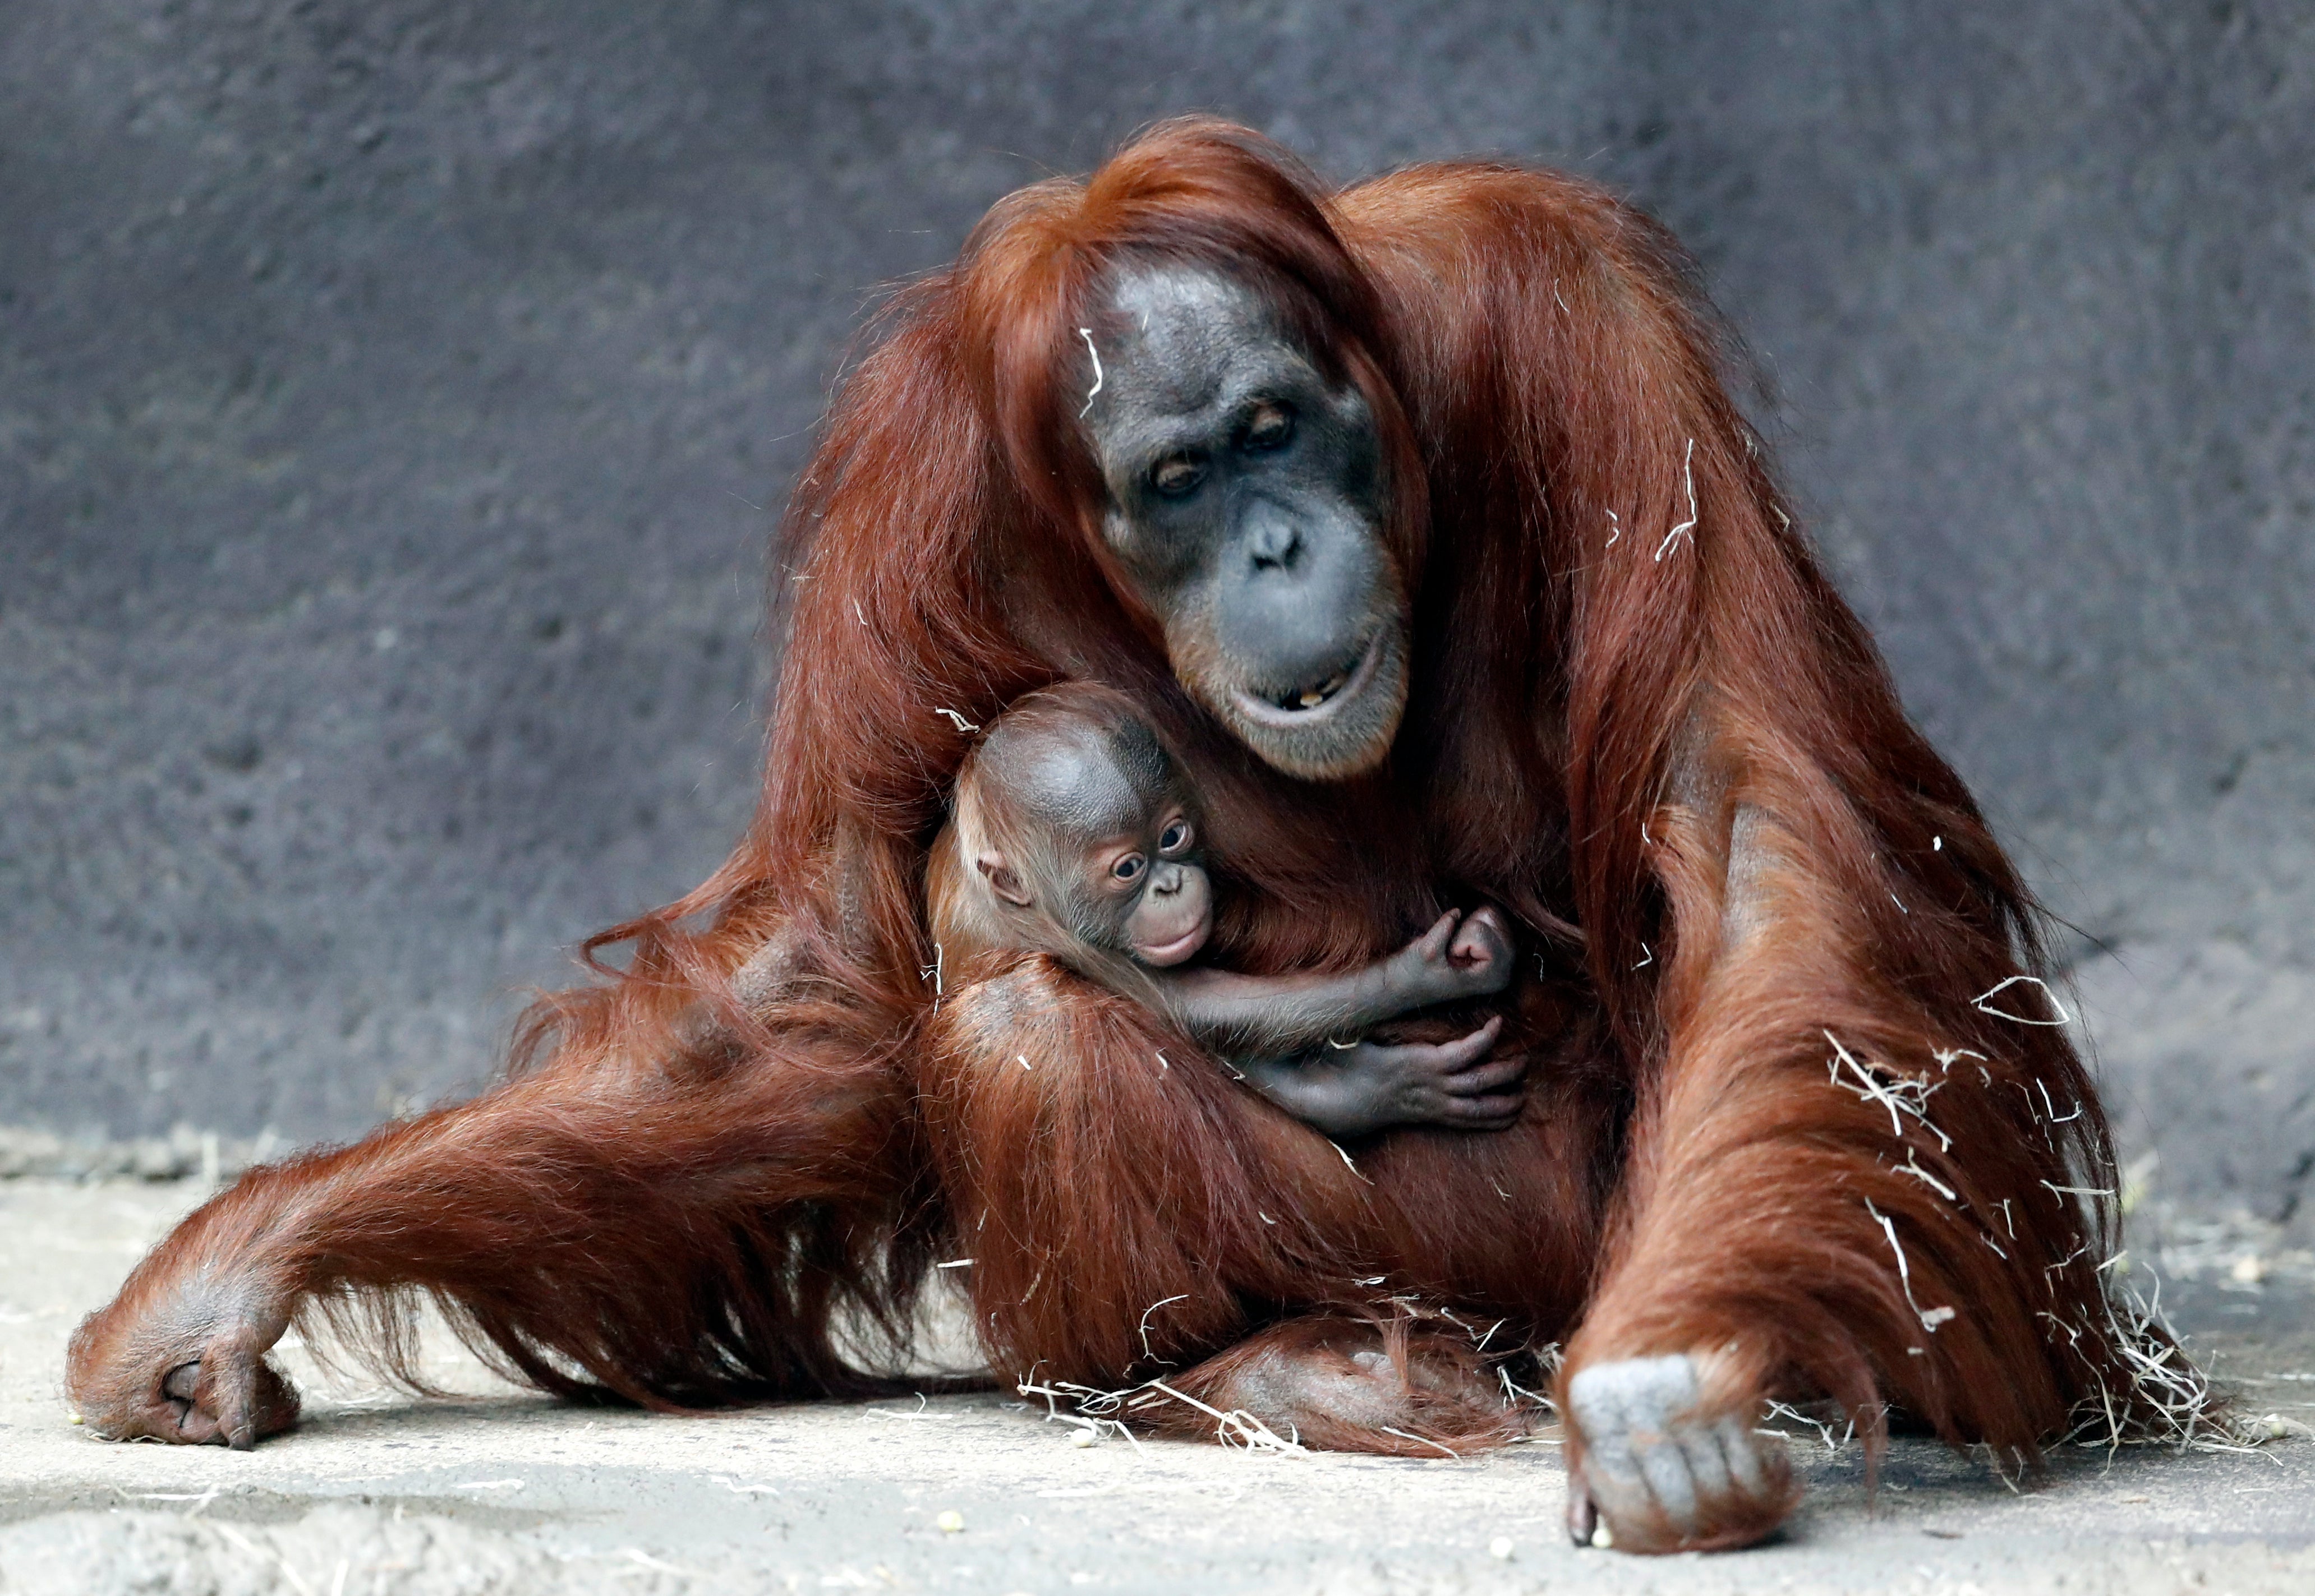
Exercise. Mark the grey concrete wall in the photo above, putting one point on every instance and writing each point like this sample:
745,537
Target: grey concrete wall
394,396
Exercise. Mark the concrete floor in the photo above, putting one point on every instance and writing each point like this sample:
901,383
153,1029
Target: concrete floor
498,1491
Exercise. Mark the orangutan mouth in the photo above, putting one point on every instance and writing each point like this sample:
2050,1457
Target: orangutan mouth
1318,700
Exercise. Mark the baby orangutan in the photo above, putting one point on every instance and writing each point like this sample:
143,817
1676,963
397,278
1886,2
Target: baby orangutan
1074,833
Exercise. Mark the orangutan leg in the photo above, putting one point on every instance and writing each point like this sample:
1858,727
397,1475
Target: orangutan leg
1125,1204
1128,1210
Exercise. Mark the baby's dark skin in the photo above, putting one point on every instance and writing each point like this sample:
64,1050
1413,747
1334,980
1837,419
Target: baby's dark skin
1295,1039
1090,830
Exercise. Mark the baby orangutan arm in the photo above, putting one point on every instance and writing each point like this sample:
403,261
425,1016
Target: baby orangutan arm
1270,1016
1372,1085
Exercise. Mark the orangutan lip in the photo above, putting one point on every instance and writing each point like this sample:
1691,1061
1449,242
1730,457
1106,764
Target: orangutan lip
1320,700
1175,950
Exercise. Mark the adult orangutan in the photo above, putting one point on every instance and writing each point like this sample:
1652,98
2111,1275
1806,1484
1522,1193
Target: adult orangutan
1416,518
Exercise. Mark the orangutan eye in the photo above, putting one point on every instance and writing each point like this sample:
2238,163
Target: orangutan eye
1129,868
1270,427
1175,838
1176,475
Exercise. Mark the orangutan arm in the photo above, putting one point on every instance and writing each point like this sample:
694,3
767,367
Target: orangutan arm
594,1221
1275,1016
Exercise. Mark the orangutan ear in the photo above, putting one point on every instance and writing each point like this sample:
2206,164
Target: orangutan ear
1002,880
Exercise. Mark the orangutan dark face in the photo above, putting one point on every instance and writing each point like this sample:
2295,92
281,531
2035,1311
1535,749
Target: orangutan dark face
1246,499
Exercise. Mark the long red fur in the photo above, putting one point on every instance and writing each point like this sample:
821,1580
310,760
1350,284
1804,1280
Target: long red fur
699,1188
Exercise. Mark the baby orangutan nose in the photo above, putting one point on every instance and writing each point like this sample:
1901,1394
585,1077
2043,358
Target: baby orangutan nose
1175,916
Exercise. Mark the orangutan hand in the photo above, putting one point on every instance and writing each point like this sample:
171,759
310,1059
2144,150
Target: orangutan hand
184,1368
1668,1458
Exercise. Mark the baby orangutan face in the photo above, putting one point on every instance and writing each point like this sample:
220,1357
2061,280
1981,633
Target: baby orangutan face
1106,827
1151,891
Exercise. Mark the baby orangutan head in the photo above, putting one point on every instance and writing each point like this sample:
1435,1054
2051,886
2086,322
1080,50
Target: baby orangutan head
1073,813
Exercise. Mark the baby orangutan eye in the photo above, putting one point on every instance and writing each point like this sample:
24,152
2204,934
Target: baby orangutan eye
1175,475
1175,838
1128,868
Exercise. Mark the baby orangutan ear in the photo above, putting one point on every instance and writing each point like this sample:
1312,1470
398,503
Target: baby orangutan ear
1002,880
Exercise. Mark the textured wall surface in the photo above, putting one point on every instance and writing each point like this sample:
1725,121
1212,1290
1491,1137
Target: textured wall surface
394,396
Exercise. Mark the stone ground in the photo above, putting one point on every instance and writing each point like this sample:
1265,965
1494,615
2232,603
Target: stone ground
496,1490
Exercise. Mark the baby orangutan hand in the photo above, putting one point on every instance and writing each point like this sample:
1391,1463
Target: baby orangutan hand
1459,956
1372,1085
